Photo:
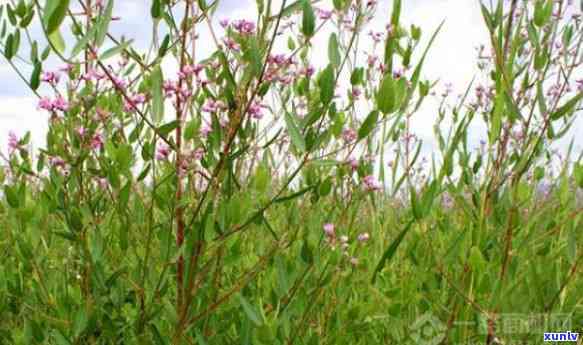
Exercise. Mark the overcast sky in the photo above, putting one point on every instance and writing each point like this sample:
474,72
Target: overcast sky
452,58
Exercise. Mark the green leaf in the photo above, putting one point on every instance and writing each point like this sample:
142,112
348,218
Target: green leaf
390,252
57,41
308,19
168,127
252,56
57,15
8,51
80,322
296,137
11,196
250,311
157,96
35,76
476,260
386,95
357,76
82,42
567,108
156,9
103,24
333,50
113,51
368,125
306,253
326,85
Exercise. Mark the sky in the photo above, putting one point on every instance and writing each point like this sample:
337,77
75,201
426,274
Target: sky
451,59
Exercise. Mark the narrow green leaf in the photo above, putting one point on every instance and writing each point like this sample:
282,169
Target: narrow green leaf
308,19
390,252
368,125
326,85
57,15
386,95
334,51
296,137
157,80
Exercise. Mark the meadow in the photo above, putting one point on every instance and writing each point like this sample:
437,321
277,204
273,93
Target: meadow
252,197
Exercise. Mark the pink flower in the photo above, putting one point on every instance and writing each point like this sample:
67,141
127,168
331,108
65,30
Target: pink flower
205,130
363,237
356,92
61,104
118,82
97,142
93,75
329,229
349,135
81,131
134,101
102,183
169,88
353,162
580,85
13,144
67,68
162,152
255,110
371,184
56,162
324,14
224,23
198,154
231,44
50,77
46,104
212,106
308,71
244,27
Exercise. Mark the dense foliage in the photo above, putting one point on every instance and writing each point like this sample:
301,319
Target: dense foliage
252,197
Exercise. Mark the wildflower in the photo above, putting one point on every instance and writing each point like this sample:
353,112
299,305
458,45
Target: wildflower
308,71
97,142
364,237
102,183
212,106
205,130
371,184
56,162
50,77
329,229
354,261
224,23
231,44
353,162
169,88
344,239
244,27
162,152
255,110
349,135
13,144
198,154
60,104
46,104
81,131
134,101
324,14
